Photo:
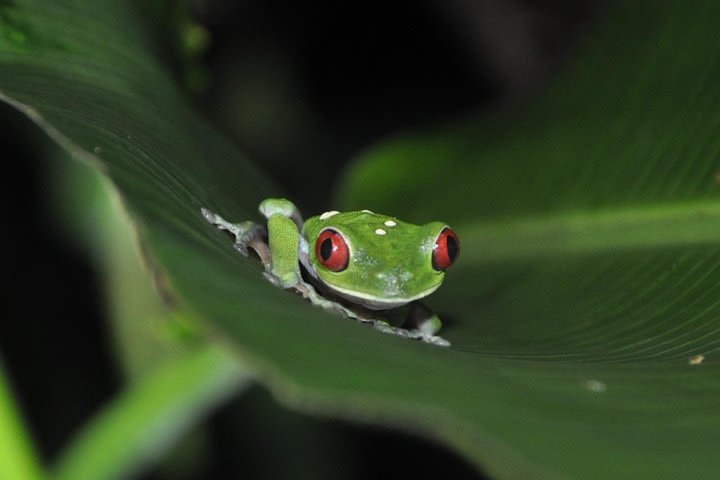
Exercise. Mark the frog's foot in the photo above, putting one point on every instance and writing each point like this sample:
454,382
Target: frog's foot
219,222
276,281
427,329
428,338
423,324
208,215
415,334
291,281
385,327
308,292
247,234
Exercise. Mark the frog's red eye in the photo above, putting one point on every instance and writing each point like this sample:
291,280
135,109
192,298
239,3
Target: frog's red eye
446,249
332,251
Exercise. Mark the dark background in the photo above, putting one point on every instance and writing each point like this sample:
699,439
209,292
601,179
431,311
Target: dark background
301,87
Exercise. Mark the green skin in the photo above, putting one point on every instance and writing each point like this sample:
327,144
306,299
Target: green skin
389,266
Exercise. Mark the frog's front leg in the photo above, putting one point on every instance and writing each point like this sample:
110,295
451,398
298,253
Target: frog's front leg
279,254
423,324
288,249
283,224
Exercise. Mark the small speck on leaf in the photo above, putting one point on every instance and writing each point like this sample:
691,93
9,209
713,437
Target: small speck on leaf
696,360
595,386
97,150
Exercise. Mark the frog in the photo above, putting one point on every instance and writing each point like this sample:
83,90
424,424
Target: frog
369,267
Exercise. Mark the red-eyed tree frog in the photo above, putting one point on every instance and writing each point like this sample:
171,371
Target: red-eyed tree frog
360,264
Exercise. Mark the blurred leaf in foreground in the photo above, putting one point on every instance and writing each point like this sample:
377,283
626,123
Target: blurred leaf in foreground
145,421
17,455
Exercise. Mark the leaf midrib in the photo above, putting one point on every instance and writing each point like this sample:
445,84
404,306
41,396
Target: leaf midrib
637,227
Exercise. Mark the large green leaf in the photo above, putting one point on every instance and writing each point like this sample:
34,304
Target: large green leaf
590,270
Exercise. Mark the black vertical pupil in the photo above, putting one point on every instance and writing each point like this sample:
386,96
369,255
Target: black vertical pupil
452,248
326,249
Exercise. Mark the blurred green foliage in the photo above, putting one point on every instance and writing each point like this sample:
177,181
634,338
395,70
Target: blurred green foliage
17,458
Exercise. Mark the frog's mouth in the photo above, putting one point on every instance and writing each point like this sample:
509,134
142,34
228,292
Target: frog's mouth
374,303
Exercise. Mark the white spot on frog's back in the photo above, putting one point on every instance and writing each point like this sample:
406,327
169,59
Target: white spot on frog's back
329,214
390,223
366,211
380,231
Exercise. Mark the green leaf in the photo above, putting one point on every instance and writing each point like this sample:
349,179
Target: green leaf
17,455
590,225
145,421
143,327
146,333
590,269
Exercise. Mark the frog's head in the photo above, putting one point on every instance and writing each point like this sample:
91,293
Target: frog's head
378,261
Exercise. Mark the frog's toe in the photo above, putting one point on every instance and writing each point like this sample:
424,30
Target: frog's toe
209,216
425,337
387,328
245,237
242,248
383,327
273,279
435,340
400,332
